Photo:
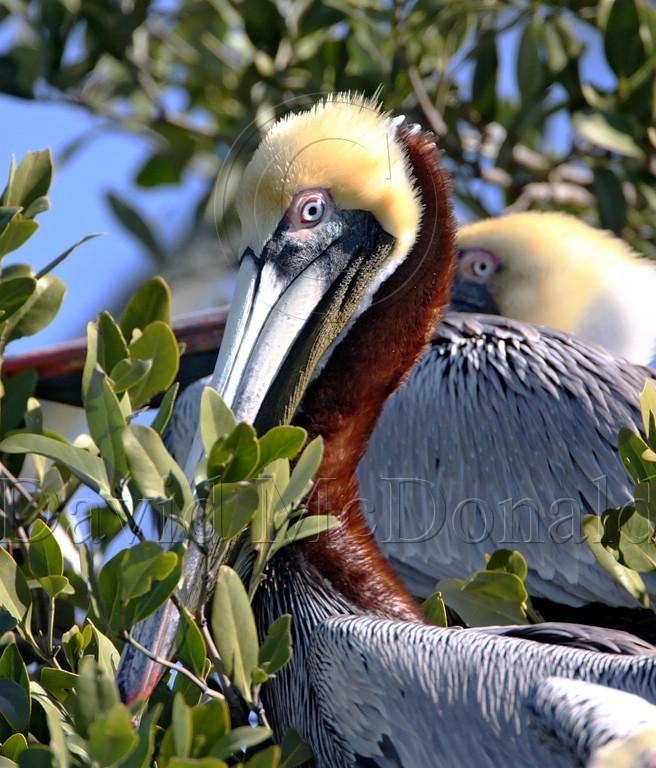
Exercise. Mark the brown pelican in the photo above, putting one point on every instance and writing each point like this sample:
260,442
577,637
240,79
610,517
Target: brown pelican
552,269
348,258
445,479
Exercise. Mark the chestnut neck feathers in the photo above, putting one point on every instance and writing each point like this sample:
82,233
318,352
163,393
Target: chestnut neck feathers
345,401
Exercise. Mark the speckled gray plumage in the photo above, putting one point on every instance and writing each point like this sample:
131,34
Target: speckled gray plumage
368,691
495,410
499,410
417,695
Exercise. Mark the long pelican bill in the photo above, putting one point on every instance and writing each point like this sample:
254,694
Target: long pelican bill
291,303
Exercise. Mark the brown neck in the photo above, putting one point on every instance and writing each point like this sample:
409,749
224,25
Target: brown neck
345,401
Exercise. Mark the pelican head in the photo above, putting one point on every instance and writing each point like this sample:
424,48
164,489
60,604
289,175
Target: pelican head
553,269
328,209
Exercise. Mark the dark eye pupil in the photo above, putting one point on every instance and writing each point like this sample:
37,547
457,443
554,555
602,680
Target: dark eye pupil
312,211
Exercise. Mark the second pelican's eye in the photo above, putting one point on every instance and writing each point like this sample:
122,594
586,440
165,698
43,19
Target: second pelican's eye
477,264
312,210
481,268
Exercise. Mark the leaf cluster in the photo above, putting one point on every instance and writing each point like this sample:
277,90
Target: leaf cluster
68,605
624,540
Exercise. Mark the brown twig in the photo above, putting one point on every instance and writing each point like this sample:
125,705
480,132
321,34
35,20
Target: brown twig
197,681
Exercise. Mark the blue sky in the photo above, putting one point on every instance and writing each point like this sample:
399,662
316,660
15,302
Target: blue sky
78,207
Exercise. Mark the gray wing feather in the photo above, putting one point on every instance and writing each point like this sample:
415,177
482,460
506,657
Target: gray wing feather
419,695
582,636
181,429
579,717
504,435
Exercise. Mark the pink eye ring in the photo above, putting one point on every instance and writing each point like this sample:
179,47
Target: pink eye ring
312,210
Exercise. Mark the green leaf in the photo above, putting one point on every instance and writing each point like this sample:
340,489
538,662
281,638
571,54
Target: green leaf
190,644
434,610
477,609
508,560
136,582
210,722
36,757
12,667
154,470
300,481
234,629
610,199
295,752
14,745
216,419
181,727
159,169
104,651
111,738
141,756
265,758
243,445
15,595
165,409
136,225
604,130
310,526
14,293
56,585
281,443
18,390
17,232
150,302
276,650
593,530
158,344
44,554
637,550
622,39
240,738
30,180
632,450
126,375
106,424
14,704
530,74
55,720
58,682
648,412
40,310
232,506
7,215
505,586
96,695
86,467
484,81
196,762
111,346
141,564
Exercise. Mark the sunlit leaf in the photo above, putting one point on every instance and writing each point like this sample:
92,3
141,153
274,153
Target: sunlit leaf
150,302
216,419
276,649
157,344
234,629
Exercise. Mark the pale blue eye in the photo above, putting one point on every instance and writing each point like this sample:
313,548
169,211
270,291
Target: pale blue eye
312,210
